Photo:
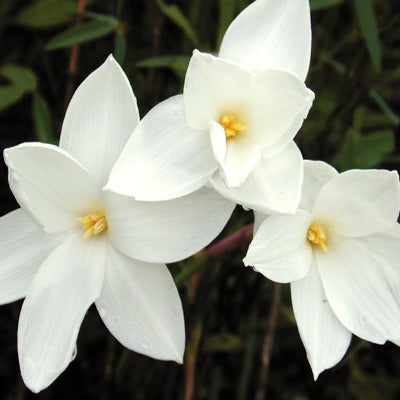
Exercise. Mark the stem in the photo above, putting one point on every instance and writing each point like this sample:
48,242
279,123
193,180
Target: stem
73,61
268,343
241,236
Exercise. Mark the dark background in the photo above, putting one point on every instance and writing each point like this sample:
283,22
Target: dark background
354,123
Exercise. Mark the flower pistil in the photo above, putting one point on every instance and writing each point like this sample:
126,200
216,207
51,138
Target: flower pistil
232,128
93,224
316,235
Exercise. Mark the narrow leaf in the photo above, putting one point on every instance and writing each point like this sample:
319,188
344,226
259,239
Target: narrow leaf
10,95
45,14
83,33
120,46
384,106
19,76
174,13
321,4
227,9
369,29
42,119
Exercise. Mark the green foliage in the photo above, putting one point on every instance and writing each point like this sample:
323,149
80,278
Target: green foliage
321,4
227,10
367,20
42,119
174,13
21,81
83,33
44,14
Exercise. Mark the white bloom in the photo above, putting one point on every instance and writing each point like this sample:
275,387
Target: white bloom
341,254
88,246
235,123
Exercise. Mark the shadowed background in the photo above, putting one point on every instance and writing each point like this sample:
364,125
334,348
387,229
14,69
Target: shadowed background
49,46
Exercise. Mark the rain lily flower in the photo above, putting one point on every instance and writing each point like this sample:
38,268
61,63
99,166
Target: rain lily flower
72,244
341,253
234,125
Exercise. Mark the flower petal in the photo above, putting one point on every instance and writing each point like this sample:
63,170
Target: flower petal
280,250
240,160
278,102
316,174
163,158
274,186
50,185
213,88
271,34
140,305
358,203
23,248
324,337
358,284
168,231
100,118
65,286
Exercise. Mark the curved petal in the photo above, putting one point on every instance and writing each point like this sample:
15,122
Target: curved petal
316,174
23,248
385,247
358,203
213,87
278,102
274,186
323,335
50,185
358,284
141,307
280,250
240,161
65,286
100,118
259,218
163,158
271,34
168,231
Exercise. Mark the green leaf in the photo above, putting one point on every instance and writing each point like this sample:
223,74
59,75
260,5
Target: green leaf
22,77
178,64
10,95
164,62
224,342
364,151
42,119
120,46
369,29
83,33
321,4
174,13
381,103
47,13
227,9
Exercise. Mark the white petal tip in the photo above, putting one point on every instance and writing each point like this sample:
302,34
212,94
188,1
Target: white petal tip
111,58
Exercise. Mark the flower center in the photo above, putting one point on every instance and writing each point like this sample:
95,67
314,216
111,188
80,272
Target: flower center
231,127
93,224
316,235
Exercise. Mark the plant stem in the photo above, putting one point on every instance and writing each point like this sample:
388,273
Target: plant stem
268,343
73,61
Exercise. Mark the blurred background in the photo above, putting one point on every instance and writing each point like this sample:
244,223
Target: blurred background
49,46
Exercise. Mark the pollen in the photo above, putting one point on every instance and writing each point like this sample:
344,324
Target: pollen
93,224
317,236
232,127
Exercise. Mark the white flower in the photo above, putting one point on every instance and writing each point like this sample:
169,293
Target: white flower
235,123
93,246
341,253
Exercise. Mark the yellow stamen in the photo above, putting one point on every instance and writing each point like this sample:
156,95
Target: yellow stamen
232,128
316,235
93,224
